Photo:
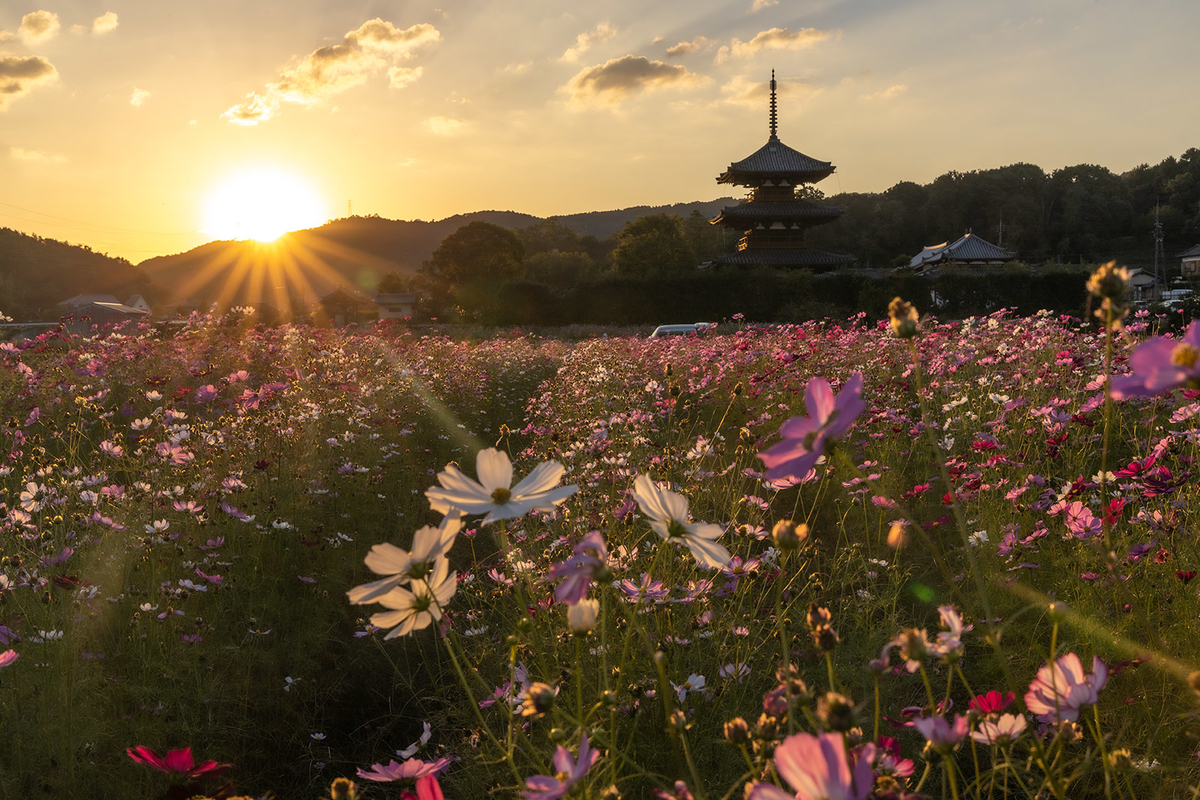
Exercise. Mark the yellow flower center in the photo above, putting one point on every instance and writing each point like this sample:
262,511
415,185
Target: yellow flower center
1185,355
676,530
501,496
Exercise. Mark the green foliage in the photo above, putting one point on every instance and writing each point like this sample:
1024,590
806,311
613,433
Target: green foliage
478,251
653,246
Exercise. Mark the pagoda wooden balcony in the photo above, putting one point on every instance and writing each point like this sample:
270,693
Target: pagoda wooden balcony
775,240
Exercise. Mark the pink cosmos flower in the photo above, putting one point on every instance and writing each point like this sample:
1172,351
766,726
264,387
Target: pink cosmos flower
817,768
8,657
178,762
940,733
1007,728
805,438
588,557
570,771
395,771
1161,365
1061,689
427,789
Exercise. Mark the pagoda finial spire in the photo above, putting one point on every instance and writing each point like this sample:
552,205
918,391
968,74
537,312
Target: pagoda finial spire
774,116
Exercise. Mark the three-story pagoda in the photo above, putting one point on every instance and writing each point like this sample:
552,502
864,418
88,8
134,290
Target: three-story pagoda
774,220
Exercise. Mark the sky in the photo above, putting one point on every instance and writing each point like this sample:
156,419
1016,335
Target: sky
124,123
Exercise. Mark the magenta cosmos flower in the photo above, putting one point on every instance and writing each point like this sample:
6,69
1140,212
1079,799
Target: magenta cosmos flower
8,657
570,771
818,769
1061,689
805,438
178,762
588,557
1162,364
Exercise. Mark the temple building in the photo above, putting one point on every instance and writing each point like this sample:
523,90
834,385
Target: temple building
774,222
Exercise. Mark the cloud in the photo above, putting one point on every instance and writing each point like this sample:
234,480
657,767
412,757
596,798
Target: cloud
21,154
445,126
683,48
584,41
332,69
104,23
609,83
399,77
885,94
759,5
742,91
39,26
19,74
774,39
139,96
516,68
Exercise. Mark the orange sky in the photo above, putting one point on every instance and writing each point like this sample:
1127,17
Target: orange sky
119,121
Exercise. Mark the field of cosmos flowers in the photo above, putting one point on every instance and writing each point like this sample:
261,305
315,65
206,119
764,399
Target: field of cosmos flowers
840,559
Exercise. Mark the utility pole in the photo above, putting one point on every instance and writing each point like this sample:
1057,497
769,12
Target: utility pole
1000,231
1159,258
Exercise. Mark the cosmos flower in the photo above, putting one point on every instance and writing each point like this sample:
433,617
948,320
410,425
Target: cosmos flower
588,557
1061,689
177,762
416,609
668,513
817,768
805,438
401,566
494,493
1160,365
940,733
991,703
569,772
395,771
1007,728
8,657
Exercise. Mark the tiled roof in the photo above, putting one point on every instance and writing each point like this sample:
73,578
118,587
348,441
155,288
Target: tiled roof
777,210
785,258
969,248
776,158
1190,252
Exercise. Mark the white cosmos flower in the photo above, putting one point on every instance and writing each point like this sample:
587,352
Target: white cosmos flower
416,609
668,513
494,493
401,566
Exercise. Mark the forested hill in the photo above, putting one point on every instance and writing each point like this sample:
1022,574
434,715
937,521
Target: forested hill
1084,212
37,273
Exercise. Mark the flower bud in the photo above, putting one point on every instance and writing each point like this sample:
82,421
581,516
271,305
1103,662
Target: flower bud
1108,280
559,735
836,712
538,700
581,617
1120,759
788,535
767,727
904,318
343,789
1058,611
737,730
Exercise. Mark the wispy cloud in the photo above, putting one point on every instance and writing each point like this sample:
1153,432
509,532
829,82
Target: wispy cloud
445,126
20,74
139,96
759,5
742,91
516,68
35,156
885,94
695,45
773,39
333,69
609,83
104,23
38,26
584,41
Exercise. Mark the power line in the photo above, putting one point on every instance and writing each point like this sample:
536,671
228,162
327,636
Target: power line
98,228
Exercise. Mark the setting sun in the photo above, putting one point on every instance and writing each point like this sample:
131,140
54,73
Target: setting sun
263,205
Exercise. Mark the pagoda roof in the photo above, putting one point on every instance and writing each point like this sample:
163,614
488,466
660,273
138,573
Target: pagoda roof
969,248
776,159
800,257
777,210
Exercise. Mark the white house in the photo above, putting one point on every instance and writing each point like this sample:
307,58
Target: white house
395,306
